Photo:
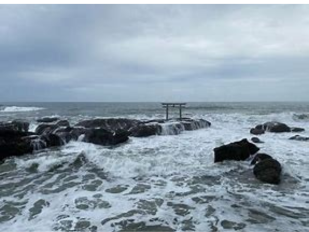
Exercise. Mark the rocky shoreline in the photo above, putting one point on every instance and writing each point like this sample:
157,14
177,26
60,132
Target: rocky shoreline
17,140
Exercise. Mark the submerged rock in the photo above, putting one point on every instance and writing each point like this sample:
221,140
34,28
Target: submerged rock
256,140
275,127
268,170
299,138
256,131
240,150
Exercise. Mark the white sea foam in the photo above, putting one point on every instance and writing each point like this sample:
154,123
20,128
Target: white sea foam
19,108
175,172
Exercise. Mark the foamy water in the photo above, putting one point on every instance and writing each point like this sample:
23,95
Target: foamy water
10,109
159,183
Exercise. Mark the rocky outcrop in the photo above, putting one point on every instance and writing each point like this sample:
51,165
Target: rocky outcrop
104,137
145,130
240,150
275,127
110,124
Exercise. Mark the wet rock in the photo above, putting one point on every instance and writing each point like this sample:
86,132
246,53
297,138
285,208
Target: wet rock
15,125
299,138
256,131
297,129
194,124
259,157
144,130
268,170
240,150
276,127
104,137
45,128
52,140
110,124
256,140
47,119
63,123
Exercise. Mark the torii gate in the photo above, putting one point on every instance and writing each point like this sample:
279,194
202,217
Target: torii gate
174,104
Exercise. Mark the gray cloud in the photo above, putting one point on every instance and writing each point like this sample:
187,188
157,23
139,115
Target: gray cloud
154,52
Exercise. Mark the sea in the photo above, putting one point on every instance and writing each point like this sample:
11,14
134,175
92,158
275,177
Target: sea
158,183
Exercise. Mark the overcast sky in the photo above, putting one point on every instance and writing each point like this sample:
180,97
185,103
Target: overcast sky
154,53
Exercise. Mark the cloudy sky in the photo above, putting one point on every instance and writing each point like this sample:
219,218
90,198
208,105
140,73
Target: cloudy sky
154,53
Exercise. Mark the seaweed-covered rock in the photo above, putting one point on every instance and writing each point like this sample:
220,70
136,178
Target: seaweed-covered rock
240,150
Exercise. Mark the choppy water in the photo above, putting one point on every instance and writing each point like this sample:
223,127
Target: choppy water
160,183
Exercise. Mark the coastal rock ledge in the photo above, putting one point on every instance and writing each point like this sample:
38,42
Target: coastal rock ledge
16,140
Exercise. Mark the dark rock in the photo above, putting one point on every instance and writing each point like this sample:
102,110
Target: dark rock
301,116
104,137
110,124
12,142
257,131
240,150
47,119
45,128
63,123
16,125
299,138
297,129
52,140
268,170
192,124
259,157
256,140
276,127
144,130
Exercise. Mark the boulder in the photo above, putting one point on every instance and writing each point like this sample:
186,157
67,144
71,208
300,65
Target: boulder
256,131
256,140
299,138
240,150
268,170
275,127
259,157
104,137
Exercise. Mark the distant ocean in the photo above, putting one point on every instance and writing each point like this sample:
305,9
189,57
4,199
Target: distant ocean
158,183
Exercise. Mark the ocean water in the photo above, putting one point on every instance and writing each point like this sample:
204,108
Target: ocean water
159,183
